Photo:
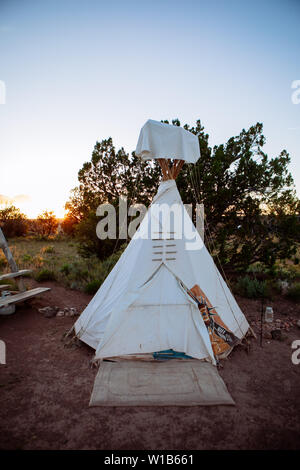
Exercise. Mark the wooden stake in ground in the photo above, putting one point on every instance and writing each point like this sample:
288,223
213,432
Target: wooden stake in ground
261,320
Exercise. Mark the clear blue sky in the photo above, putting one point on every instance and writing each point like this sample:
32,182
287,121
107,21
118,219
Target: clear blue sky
80,71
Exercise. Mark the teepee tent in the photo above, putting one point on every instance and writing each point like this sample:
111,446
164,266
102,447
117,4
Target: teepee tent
148,303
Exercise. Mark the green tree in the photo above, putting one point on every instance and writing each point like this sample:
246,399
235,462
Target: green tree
109,175
47,223
68,224
250,203
13,223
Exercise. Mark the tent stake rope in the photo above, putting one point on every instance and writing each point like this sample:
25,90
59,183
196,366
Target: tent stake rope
211,245
210,238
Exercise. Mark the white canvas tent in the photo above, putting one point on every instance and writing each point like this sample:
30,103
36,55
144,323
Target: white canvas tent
141,307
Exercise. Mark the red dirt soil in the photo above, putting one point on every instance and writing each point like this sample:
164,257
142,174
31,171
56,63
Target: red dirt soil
45,390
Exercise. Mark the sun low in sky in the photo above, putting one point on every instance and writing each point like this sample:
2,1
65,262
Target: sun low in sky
32,208
77,72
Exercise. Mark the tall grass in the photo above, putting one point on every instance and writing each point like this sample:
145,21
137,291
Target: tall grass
59,261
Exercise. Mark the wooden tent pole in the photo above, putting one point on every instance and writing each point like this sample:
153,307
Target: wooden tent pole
162,165
169,171
163,169
178,167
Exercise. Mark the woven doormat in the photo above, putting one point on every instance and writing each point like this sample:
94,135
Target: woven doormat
170,383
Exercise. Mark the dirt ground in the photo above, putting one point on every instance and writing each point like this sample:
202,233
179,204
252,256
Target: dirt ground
45,389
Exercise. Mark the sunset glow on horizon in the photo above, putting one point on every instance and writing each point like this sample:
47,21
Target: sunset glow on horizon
31,207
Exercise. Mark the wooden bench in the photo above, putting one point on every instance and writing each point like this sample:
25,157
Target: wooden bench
21,296
17,273
5,287
22,272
